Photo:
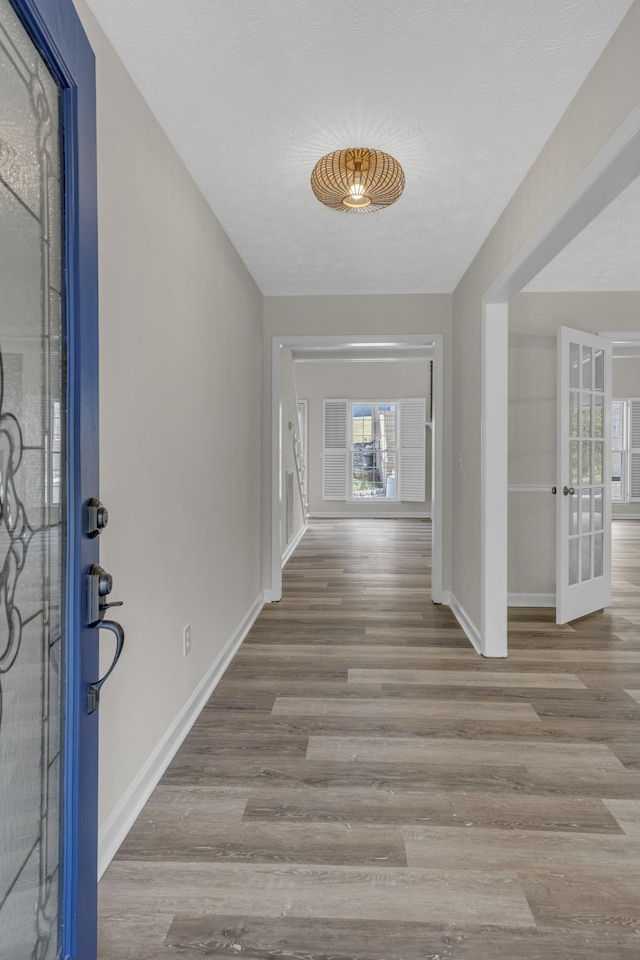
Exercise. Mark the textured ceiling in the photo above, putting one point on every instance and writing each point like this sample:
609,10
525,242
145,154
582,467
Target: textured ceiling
464,93
605,256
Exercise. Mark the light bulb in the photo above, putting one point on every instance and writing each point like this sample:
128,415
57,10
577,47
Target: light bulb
356,196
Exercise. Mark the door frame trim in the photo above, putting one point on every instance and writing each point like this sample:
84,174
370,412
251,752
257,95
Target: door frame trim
436,340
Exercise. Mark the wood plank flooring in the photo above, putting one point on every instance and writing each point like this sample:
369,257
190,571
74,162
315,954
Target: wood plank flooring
363,786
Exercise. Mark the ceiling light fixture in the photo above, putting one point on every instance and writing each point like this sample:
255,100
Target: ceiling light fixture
357,179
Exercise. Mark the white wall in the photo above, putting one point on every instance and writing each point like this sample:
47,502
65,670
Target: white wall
370,380
180,407
626,374
606,99
360,316
534,319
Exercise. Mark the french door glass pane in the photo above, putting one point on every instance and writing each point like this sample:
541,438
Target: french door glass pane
574,423
574,503
585,510
31,497
586,461
586,415
574,366
574,561
598,415
586,558
574,450
598,555
599,370
587,368
598,461
598,508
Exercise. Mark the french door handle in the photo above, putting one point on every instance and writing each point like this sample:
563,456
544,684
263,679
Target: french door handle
568,490
93,694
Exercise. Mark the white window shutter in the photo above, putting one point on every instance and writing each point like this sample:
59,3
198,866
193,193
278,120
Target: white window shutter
413,419
634,449
335,452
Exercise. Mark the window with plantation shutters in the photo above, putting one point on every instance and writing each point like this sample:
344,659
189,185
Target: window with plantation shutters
413,418
374,450
335,453
634,449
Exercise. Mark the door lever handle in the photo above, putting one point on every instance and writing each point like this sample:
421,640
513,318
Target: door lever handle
93,694
99,584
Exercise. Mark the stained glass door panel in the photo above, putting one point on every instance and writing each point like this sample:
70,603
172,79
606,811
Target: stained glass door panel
31,497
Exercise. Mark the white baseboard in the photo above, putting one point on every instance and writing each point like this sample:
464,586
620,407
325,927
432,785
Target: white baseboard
124,815
294,543
626,516
531,599
466,623
368,515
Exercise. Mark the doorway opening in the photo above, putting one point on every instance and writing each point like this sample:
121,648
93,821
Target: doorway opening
373,346
609,174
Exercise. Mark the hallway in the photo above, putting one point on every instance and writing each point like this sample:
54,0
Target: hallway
362,786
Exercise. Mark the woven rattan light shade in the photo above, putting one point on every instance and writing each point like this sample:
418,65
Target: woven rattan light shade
357,179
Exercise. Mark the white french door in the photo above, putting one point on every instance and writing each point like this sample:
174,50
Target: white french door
583,527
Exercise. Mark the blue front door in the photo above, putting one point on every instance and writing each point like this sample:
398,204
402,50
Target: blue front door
48,473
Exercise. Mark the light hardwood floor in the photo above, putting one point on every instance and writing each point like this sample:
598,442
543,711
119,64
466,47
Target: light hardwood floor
363,786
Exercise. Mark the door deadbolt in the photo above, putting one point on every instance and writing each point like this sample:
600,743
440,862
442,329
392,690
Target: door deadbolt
97,517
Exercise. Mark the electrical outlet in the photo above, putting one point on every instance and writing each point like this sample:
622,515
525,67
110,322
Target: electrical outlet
186,640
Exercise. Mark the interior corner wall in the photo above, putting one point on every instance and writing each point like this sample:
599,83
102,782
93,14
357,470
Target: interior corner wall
180,406
288,424
534,319
359,316
371,380
606,99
